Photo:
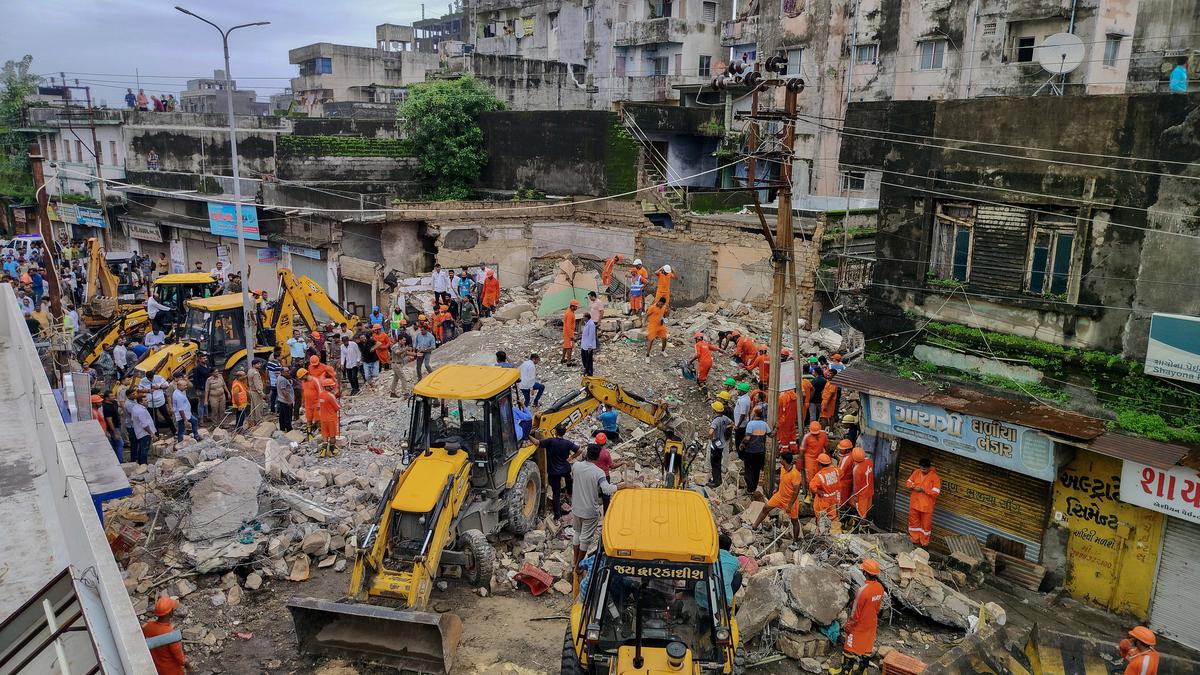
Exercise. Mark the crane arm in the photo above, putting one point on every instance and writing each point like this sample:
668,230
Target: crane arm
101,282
297,296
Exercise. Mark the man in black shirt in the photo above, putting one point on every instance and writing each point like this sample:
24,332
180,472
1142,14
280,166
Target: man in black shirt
559,453
199,377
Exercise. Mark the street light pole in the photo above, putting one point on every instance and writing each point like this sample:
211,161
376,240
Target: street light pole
248,310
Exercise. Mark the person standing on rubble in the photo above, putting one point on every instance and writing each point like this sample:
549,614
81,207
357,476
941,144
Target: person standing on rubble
327,414
754,449
216,396
606,274
402,352
568,331
424,343
826,489
741,417
587,344
926,486
441,285
862,482
718,436
662,284
814,444
787,495
656,329
165,643
560,453
829,400
241,399
595,306
785,435
588,482
844,465
860,627
182,408
351,362
638,276
310,391
258,391
285,399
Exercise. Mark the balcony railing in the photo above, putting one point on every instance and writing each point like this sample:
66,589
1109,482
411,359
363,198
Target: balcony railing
649,32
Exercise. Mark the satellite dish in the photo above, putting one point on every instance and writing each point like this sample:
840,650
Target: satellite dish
1060,53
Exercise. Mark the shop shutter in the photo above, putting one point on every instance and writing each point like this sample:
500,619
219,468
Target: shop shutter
1176,593
978,499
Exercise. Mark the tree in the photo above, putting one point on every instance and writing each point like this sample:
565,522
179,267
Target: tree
16,83
440,120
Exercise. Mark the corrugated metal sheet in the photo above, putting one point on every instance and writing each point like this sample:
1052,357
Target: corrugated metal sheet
1141,450
978,499
874,382
963,543
1001,237
1177,595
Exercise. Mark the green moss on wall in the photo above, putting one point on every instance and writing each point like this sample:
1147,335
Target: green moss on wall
718,202
620,161
340,146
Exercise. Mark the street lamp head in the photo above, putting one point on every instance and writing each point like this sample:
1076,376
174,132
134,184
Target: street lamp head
184,10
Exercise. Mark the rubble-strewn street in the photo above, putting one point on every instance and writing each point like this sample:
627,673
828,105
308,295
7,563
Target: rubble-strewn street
235,525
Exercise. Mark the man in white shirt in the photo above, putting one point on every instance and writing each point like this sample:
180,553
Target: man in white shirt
441,284
529,382
120,356
155,339
220,272
156,310
351,362
183,411
156,387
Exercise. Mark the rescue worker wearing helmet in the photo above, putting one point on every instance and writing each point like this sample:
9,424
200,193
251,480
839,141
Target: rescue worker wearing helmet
859,630
164,641
1139,652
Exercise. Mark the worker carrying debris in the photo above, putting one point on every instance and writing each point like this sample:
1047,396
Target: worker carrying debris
926,486
860,627
1139,652
164,641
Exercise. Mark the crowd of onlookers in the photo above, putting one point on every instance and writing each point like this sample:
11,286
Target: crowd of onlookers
139,101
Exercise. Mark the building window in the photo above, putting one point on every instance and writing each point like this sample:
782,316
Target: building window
52,146
795,61
99,153
622,12
112,152
866,54
1112,47
66,150
989,28
679,64
318,66
1051,250
619,66
710,12
553,20
950,255
79,151
705,69
661,64
854,181
933,54
1024,50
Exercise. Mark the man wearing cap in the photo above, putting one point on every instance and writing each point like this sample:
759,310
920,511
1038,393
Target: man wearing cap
826,489
787,495
606,274
703,359
862,485
835,363
754,449
310,392
718,436
655,328
814,443
638,276
662,284
741,416
745,350
568,342
850,424
760,366
864,619
491,293
327,415
1139,652
165,643
926,486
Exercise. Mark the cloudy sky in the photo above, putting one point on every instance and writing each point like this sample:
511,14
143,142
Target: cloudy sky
105,43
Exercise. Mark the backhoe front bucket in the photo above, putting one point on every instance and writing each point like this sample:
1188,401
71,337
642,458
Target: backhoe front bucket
425,642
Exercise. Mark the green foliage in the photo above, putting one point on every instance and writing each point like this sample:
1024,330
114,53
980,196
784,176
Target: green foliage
1155,427
526,193
620,161
730,145
77,198
440,119
853,232
16,83
341,146
945,283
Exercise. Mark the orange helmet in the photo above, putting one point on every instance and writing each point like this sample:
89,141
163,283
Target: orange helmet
785,351
314,360
870,567
420,317
845,444
1143,635
166,604
328,383
601,438
837,358
377,326
698,336
443,307
858,454
315,334
97,398
824,459
814,427
574,302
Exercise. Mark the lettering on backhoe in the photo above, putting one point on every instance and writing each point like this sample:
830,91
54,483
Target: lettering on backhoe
654,571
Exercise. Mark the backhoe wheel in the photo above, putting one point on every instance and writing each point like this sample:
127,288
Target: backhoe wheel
481,558
525,499
570,660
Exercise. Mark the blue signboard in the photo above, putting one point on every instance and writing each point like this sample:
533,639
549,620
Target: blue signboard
86,215
1009,446
1173,349
222,220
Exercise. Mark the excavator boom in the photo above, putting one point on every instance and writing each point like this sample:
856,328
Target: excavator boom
297,297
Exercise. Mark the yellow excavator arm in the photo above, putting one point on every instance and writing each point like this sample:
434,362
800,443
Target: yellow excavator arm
101,282
297,296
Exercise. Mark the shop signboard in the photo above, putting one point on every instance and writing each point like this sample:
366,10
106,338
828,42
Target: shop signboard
1009,446
144,231
1175,492
268,255
222,220
91,217
302,251
1173,348
65,213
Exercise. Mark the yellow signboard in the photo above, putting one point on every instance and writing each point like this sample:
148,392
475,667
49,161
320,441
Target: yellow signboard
1112,552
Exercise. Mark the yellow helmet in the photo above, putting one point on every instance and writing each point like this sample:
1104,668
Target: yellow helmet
723,395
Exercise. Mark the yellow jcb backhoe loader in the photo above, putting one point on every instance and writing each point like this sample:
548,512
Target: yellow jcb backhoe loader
576,406
468,478
297,297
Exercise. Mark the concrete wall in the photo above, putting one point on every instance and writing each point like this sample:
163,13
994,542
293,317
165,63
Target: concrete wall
528,84
396,169
1130,255
195,143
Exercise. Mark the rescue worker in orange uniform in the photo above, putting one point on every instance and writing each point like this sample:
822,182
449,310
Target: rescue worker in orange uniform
1140,652
863,482
829,399
318,369
787,495
165,643
860,627
491,293
785,435
662,287
844,465
240,394
569,330
327,413
703,359
310,390
926,487
98,412
806,386
760,366
814,444
655,328
606,275
382,345
746,351
826,489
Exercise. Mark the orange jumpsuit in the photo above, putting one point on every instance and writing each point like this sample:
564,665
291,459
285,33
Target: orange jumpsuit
863,486
806,386
825,487
568,328
635,302
746,351
1143,663
829,400
920,505
327,412
662,288
311,391
845,473
763,365
654,323
240,395
786,433
168,659
704,360
321,371
864,618
606,275
491,291
384,343
813,445
789,485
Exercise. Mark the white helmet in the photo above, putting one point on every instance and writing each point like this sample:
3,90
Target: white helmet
667,269
637,261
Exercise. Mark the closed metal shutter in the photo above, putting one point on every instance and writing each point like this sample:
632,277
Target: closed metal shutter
1173,612
978,499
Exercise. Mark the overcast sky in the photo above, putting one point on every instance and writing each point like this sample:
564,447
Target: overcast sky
105,42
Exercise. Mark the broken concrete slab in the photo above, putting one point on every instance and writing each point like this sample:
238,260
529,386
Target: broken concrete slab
760,605
816,591
316,544
224,500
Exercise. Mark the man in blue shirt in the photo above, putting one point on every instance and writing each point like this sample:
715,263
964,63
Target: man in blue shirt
424,343
1179,78
38,284
587,345
730,569
376,316
502,360
522,420
608,424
